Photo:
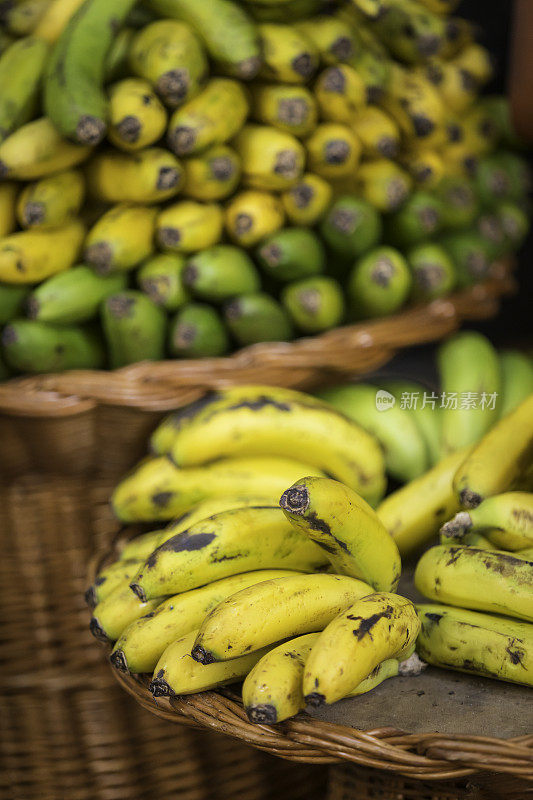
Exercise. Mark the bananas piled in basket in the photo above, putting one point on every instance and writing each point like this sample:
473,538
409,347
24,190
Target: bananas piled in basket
280,572
180,177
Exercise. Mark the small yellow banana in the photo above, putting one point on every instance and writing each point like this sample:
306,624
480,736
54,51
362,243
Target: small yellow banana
141,546
148,176
505,519
121,238
137,118
307,201
426,167
55,19
273,610
271,159
377,131
117,611
51,201
372,630
289,55
292,109
188,226
213,174
340,93
383,184
107,580
252,215
31,256
36,150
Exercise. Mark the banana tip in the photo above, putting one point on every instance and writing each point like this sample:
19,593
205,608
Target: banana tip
160,688
90,597
118,660
315,699
263,714
457,527
469,498
90,130
295,499
97,631
202,655
139,591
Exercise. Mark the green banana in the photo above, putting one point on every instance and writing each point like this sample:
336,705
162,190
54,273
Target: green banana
107,580
412,397
380,283
352,226
419,218
433,271
221,272
21,68
517,379
479,644
395,428
257,317
271,611
483,580
36,347
314,304
116,62
74,96
197,331
471,254
240,540
134,328
460,205
515,223
12,300
384,184
505,519
73,296
161,278
291,254
117,611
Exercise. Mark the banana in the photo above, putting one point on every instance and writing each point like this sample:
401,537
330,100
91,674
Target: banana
425,166
36,347
213,174
419,218
320,435
377,131
515,223
286,607
161,279
116,63
8,201
146,177
188,226
414,513
157,490
517,379
117,611
21,17
379,283
56,17
271,159
469,368
74,96
31,256
228,33
52,201
460,205
121,238
476,540
373,65
396,430
21,68
107,580
240,540
373,9
257,317
347,528
197,331
134,328
411,32
479,644
140,547
476,59
36,150
383,184
221,272
5,40
292,109
204,120
505,519
12,302
291,254
334,39
137,118
351,226
252,215
168,55
416,106
456,85
73,296
289,55
340,93
333,151
483,580
411,396
306,202
314,304
472,254
142,643
375,628
177,673
433,272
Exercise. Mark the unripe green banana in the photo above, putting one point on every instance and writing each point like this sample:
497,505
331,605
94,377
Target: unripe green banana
470,376
197,331
292,109
36,150
373,629
142,643
146,177
333,151
188,226
121,238
137,118
459,203
257,317
52,201
271,159
220,272
395,428
36,347
73,296
418,219
289,55
286,607
515,223
432,270
306,202
291,254
380,283
411,33
352,226
240,540
21,67
12,301
119,573
412,397
517,379
505,519
161,279
117,611
472,255
134,328
347,528
213,174
74,96
314,304
116,63
479,644
168,55
489,226
334,39
33,255
252,215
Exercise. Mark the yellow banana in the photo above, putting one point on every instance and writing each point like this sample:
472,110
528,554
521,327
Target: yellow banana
505,519
289,55
333,151
31,256
307,201
36,150
332,36
117,611
377,131
470,539
8,199
273,610
483,580
20,18
426,167
141,546
149,176
213,174
498,461
457,86
416,106
277,426
475,59
55,19
121,238
51,201
252,215
292,109
347,528
383,184
271,159
137,118
228,543
479,644
157,490
177,673
340,93
373,629
188,226
415,512
142,643
119,573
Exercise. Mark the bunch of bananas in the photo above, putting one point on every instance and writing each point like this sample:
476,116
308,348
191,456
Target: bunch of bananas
186,176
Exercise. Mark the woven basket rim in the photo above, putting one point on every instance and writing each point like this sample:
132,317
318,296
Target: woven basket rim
424,756
352,349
